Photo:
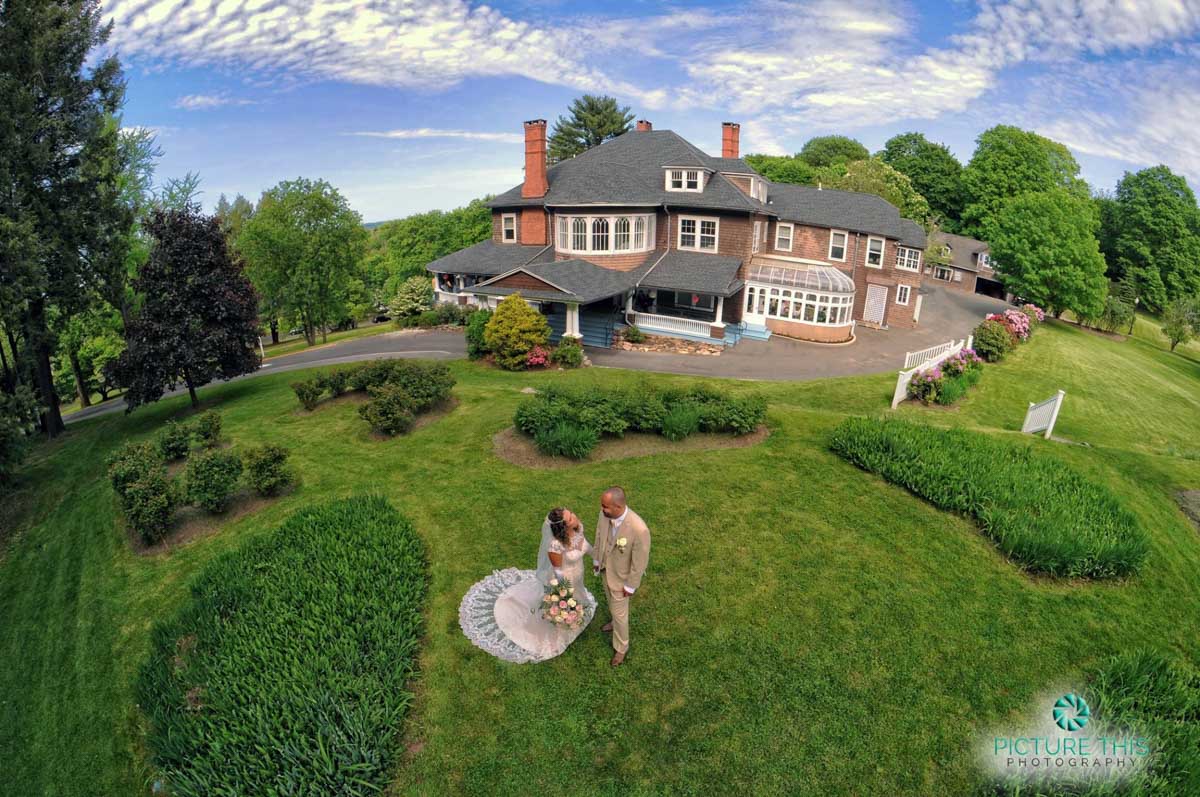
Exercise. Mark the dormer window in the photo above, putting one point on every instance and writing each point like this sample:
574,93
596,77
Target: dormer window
508,227
685,180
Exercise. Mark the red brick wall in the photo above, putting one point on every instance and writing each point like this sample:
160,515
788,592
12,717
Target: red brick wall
532,226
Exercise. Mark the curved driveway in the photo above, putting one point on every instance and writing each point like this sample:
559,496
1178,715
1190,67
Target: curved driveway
945,314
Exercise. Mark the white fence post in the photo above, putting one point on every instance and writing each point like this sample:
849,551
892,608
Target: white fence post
1042,416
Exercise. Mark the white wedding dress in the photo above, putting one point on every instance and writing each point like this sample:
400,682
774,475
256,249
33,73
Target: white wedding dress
502,614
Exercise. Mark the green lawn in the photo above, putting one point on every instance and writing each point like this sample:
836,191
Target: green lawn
804,627
294,345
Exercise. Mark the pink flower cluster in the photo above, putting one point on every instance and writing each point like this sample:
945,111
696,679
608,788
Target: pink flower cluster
961,362
560,605
1015,321
1033,311
537,357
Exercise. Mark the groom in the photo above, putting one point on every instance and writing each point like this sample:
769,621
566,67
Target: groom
621,552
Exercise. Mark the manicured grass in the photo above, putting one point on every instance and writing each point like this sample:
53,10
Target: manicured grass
300,344
804,627
1149,329
288,670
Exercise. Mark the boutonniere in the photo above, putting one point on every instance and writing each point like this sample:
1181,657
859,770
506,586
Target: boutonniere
621,543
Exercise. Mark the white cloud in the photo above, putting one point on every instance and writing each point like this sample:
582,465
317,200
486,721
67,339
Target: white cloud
206,102
429,132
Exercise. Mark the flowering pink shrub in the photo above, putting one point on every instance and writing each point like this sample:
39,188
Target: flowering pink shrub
1034,312
948,381
958,364
1017,323
538,357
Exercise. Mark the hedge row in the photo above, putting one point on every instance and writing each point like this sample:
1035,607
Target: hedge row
288,671
570,421
1040,512
399,389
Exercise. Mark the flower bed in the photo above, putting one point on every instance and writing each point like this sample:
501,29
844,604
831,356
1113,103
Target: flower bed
949,380
1039,511
569,422
1000,333
399,389
288,670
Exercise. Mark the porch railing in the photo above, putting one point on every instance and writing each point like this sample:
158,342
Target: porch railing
666,323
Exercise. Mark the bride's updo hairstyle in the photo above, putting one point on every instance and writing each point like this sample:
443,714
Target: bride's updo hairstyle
558,526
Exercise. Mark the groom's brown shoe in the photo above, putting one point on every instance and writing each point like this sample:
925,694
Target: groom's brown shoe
607,628
617,659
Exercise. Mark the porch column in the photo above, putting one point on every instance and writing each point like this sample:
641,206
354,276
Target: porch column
629,302
572,326
719,322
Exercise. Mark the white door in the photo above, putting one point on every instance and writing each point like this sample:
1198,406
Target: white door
755,310
876,304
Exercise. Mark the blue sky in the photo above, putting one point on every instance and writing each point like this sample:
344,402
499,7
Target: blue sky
407,106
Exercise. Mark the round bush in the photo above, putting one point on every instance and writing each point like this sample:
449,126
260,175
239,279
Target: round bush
309,392
514,329
288,669
212,478
568,354
992,341
208,428
390,410
174,440
131,462
681,421
566,439
267,470
429,318
335,381
148,504
633,335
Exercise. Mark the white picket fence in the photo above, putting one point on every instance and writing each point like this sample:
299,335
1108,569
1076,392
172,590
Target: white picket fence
924,360
1040,417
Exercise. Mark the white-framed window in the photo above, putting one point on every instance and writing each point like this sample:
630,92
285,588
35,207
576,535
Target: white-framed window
604,234
698,233
807,307
902,292
984,260
908,258
837,244
783,236
508,227
943,273
754,246
685,180
875,248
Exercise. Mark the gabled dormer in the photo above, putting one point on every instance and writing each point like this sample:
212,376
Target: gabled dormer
688,179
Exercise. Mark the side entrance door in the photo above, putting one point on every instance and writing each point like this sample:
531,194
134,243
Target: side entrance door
755,310
876,304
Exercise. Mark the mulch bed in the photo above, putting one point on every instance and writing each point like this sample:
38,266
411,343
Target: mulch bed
435,414
1189,502
192,523
512,446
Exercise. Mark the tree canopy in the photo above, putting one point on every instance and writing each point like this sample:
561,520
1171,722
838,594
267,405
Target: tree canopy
1009,162
302,247
591,120
199,317
402,248
1045,250
934,171
831,151
873,176
783,169
1154,235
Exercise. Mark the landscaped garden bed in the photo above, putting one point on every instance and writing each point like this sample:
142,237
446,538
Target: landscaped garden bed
571,422
519,449
288,670
399,391
1040,512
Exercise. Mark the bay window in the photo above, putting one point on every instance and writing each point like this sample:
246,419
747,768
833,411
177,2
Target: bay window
621,234
599,235
604,234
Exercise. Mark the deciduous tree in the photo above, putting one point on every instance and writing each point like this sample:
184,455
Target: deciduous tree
934,171
1181,320
873,176
832,151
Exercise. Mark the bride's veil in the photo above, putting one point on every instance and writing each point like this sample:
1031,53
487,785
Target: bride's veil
545,570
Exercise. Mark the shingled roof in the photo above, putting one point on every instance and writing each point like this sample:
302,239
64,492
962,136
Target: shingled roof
914,234
488,258
694,271
575,281
842,210
962,250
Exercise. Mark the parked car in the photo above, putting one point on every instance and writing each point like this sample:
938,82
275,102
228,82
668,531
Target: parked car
379,319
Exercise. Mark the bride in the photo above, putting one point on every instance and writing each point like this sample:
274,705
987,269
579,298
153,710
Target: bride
502,614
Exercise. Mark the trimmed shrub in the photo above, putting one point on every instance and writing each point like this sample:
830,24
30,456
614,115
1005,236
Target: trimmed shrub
538,357
413,297
1039,511
633,335
390,411
427,384
289,668
308,391
567,439
452,315
739,416
148,504
476,326
267,470
208,428
130,463
514,329
429,318
335,381
644,410
568,353
174,440
212,477
992,340
682,420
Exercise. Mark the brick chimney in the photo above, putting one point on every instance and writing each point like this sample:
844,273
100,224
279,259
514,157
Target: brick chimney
644,126
730,133
535,160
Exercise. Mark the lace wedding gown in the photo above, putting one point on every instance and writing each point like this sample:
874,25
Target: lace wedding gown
502,614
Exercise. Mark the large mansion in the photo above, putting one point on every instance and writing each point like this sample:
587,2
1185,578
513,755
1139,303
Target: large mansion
647,230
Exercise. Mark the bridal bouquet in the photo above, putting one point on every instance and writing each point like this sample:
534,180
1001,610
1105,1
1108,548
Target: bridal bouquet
559,605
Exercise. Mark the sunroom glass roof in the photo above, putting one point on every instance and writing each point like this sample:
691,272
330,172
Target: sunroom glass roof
816,278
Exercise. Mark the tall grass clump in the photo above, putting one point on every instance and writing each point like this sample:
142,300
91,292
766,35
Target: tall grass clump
287,671
1041,513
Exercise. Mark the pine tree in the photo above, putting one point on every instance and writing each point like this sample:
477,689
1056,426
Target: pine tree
593,120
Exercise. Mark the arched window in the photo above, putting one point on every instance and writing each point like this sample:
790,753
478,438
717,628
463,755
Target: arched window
599,235
621,234
639,232
579,234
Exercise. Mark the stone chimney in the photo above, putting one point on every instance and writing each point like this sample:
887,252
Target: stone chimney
535,160
730,133
644,126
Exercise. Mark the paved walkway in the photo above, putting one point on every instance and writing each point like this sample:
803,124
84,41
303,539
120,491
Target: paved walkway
945,314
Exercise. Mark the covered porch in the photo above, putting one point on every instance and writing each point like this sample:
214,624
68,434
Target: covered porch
685,295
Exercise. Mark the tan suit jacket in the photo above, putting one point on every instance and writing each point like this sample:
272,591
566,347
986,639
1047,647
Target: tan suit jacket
622,567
